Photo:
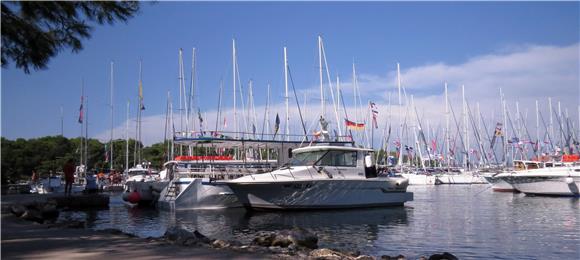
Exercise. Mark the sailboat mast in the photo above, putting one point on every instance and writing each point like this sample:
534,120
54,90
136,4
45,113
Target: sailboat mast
86,121
191,102
320,72
466,146
234,75
139,112
287,131
538,127
82,151
447,130
127,140
112,122
400,159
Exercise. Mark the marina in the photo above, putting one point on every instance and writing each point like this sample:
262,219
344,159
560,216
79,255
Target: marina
241,130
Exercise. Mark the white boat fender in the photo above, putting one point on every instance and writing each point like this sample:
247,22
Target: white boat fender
368,161
569,180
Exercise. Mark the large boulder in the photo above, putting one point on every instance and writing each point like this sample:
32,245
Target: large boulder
17,210
264,238
303,238
33,214
327,254
184,237
49,210
444,256
298,237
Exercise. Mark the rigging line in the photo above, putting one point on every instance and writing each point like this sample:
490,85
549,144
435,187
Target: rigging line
477,134
345,113
297,103
488,137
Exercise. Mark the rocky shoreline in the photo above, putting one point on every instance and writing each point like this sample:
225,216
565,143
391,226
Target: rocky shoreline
25,222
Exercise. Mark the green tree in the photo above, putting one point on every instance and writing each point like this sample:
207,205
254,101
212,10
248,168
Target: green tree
34,31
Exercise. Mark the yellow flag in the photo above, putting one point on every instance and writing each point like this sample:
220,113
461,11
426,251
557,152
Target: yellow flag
140,90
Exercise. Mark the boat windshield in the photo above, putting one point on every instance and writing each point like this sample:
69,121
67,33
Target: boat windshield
138,172
325,158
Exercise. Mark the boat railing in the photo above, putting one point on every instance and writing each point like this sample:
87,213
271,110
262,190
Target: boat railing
241,136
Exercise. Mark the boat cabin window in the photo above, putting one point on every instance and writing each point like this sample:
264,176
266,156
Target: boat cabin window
532,166
339,158
325,158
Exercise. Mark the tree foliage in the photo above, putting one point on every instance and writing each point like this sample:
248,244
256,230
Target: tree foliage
48,154
34,31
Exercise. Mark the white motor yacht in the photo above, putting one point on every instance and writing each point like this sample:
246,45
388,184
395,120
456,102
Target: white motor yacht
198,182
551,180
322,177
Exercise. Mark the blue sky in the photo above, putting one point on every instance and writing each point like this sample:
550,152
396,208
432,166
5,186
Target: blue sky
443,37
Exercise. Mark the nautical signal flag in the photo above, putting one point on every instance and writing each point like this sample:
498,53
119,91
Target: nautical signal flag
142,106
375,113
81,114
277,125
498,129
353,125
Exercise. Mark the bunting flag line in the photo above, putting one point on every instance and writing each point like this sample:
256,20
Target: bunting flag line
353,125
81,113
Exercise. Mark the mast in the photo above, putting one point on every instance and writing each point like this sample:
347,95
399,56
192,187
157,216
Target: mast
338,98
323,112
191,102
335,107
139,112
400,160
551,119
234,75
538,127
86,121
561,129
287,131
447,132
127,140
82,151
466,146
111,102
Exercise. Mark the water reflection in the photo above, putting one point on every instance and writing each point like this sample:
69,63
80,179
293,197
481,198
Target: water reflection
469,221
333,227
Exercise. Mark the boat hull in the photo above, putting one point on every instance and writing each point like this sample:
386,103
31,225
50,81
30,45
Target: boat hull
148,190
459,179
197,193
420,179
499,184
547,185
321,194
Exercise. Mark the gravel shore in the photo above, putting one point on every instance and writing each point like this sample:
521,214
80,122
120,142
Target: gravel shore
23,239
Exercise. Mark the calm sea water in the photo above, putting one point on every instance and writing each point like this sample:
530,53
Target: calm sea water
469,221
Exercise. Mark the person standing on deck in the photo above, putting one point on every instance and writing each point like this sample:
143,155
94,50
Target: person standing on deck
69,176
